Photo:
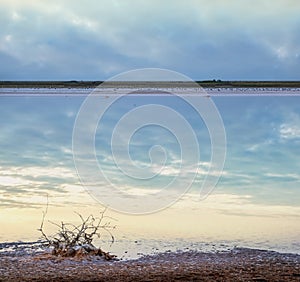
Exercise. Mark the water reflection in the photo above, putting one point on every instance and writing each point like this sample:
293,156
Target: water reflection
256,200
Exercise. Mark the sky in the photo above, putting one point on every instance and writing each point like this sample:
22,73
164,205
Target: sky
203,39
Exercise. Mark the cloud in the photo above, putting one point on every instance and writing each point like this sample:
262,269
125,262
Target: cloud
68,39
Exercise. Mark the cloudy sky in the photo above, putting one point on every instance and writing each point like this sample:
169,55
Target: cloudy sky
204,39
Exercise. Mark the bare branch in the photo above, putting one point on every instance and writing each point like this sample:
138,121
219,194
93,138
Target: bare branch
70,236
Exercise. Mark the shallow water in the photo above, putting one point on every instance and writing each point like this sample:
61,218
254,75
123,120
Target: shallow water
256,202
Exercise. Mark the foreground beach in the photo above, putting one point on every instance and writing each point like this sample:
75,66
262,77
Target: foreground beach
239,264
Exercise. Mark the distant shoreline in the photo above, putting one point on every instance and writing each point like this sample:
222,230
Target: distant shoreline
147,84
146,90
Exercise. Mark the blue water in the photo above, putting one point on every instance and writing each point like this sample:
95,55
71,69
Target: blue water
262,150
263,138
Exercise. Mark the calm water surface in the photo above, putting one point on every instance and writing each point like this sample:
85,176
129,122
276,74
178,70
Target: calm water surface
256,202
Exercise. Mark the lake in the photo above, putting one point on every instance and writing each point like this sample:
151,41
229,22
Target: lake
172,179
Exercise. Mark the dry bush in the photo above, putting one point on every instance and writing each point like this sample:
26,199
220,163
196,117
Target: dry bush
77,240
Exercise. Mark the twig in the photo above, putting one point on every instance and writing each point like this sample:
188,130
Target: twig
70,235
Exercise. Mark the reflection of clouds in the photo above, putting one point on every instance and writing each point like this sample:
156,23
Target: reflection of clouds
16,203
39,172
290,128
284,176
289,131
237,205
66,150
16,181
70,114
135,191
172,168
262,174
259,146
28,186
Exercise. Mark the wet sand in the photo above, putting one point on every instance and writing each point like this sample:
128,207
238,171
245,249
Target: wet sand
236,265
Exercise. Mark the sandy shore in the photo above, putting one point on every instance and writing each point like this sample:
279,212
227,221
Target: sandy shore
236,265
